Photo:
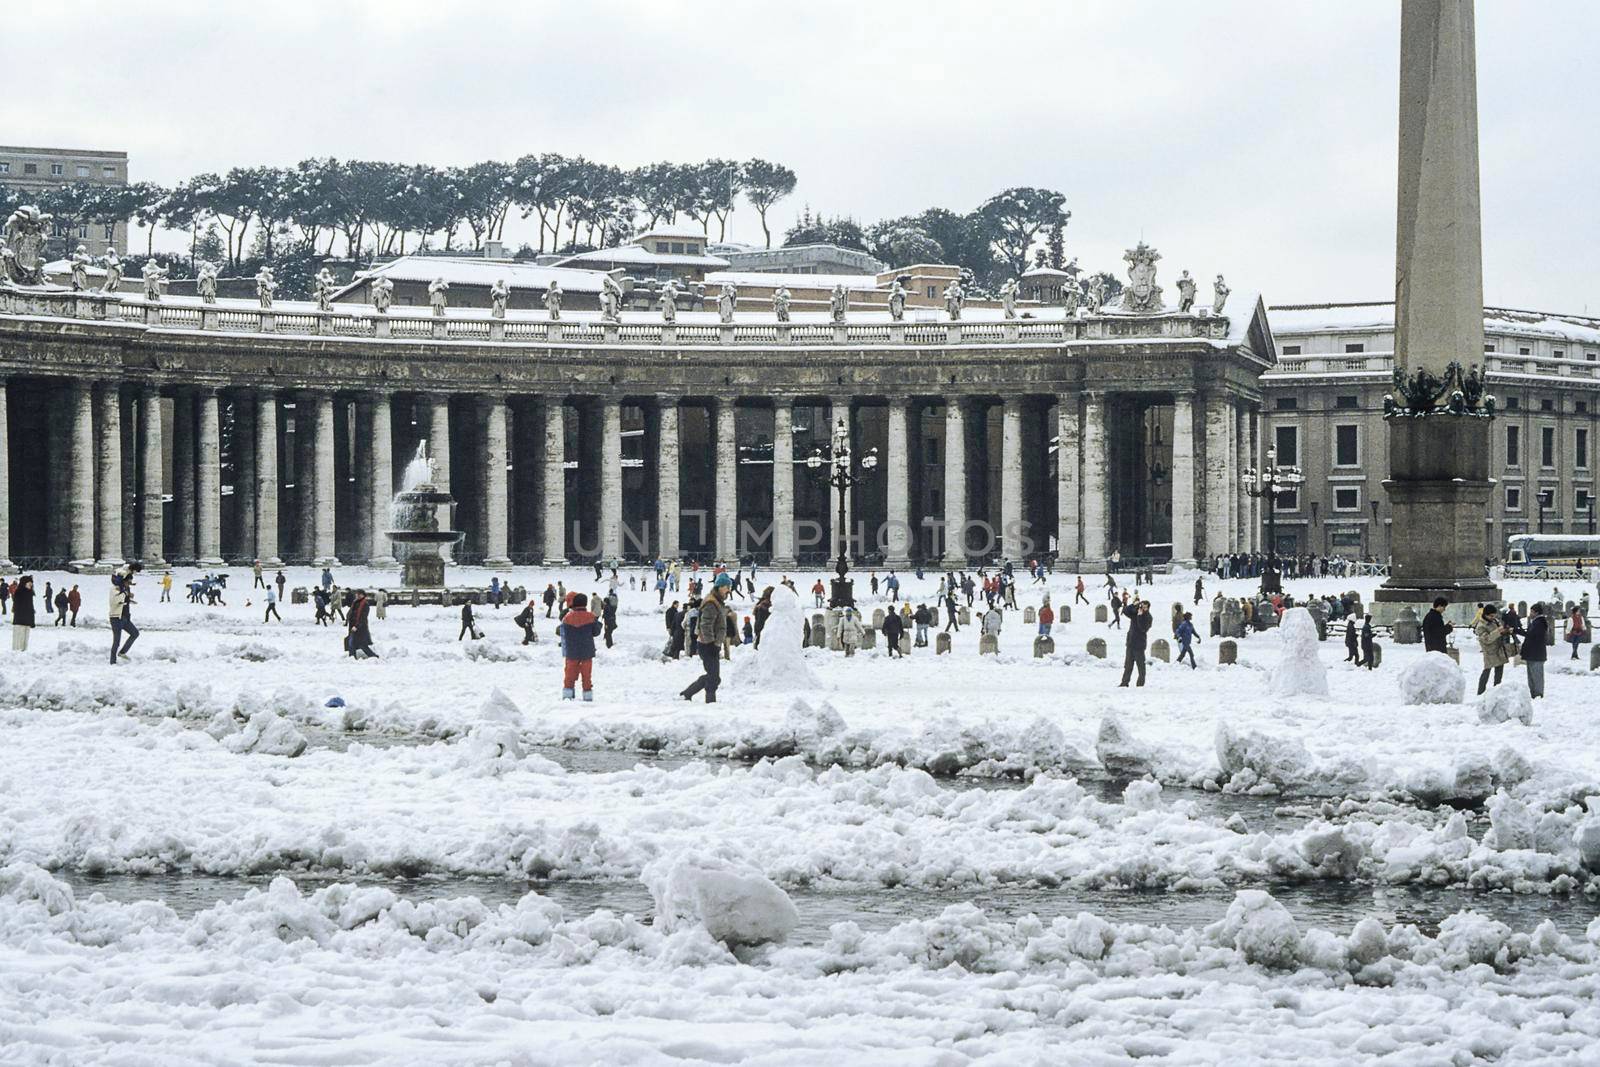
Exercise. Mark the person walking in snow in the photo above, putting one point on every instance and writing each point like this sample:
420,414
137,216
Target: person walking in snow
1369,656
923,618
22,613
467,624
893,586
1187,638
1199,589
1047,617
524,619
1535,650
61,607
121,613
272,607
1351,648
608,616
75,601
850,632
894,628
577,631
1577,629
166,587
817,591
255,570
280,581
1139,621
711,628
950,613
358,634
761,612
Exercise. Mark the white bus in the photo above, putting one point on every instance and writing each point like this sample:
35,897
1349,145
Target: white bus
1566,556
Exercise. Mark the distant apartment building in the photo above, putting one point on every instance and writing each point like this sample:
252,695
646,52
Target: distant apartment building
36,170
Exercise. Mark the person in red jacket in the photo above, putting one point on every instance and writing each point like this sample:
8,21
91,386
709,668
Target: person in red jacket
1047,618
577,632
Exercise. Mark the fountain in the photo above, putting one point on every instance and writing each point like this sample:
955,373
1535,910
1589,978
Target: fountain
415,518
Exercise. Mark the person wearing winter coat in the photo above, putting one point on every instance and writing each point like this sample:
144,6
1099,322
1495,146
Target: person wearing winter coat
1047,618
75,601
1199,589
674,624
358,634
993,619
922,618
1187,637
1434,629
1492,634
1369,657
467,624
710,628
894,628
61,607
1139,621
1352,647
121,613
524,619
1577,629
762,611
577,631
850,632
22,613
608,617
272,606
893,586
950,611
1535,649
817,592
549,600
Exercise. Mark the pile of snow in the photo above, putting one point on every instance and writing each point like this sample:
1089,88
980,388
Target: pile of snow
488,651
1502,703
1435,678
1119,751
735,903
1260,928
1299,671
1142,795
266,733
1587,839
780,662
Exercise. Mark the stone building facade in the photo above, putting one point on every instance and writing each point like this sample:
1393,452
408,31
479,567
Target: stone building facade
1324,413
184,432
32,170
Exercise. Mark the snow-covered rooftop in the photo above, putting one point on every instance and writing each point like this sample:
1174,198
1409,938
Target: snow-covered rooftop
854,282
483,272
1294,319
633,255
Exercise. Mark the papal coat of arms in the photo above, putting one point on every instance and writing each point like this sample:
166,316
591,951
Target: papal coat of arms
1142,293
26,231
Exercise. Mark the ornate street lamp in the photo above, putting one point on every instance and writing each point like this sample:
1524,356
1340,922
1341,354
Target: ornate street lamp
842,475
1269,482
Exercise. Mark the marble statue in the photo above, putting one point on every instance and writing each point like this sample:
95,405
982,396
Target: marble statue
438,296
727,299
1185,292
498,295
780,303
266,285
113,264
897,301
382,292
205,282
155,280
1008,298
697,296
954,298
80,269
323,286
552,301
27,233
1220,295
1071,294
610,299
1142,294
1094,295
668,302
837,302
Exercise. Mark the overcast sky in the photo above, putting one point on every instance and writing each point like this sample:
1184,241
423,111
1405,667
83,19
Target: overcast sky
1253,138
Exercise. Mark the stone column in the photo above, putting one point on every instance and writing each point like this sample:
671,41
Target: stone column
783,483
1011,528
438,431
1096,464
1439,482
497,500
380,493
6,566
108,398
208,480
183,471
266,484
360,477
1069,520
955,483
897,468
80,513
611,478
668,501
1219,462
839,408
1183,478
555,482
1254,543
322,495
244,477
726,542
152,542
1241,454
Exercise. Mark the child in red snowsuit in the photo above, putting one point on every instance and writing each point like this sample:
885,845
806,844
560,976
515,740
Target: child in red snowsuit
577,632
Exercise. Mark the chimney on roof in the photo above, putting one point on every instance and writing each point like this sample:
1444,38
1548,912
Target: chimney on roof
494,250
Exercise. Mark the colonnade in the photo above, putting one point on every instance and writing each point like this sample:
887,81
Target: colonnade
513,451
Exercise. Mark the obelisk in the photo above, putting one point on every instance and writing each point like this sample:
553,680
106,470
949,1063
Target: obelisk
1439,481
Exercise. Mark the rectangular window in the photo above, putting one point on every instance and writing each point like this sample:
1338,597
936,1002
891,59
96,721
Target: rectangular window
1488,346
1355,346
933,292
1547,404
1582,407
1287,440
1513,446
108,171
1291,350
1346,452
1580,448
57,170
1347,500
1559,353
1289,500
1581,501
5,168
1513,498
1286,403
663,247
1513,403
1591,356
82,170
1346,403
30,168
111,231
1547,446
1524,351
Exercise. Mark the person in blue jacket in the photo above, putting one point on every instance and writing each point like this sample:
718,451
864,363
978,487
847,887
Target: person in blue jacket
1187,637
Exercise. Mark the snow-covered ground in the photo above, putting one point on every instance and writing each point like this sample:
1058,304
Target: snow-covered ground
208,754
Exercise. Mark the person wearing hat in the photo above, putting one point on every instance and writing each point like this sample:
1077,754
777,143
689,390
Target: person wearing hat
121,612
1492,635
710,630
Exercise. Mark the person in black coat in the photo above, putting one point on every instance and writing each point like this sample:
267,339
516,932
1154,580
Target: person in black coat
1139,620
1368,657
1535,649
22,613
467,624
1351,648
1434,628
674,621
893,628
